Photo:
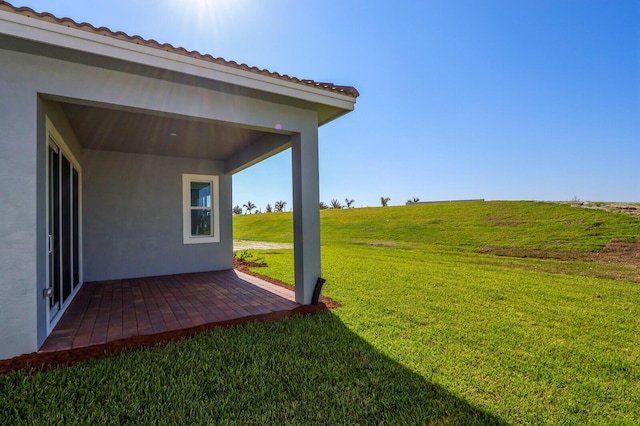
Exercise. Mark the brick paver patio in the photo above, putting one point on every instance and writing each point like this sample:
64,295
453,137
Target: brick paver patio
107,311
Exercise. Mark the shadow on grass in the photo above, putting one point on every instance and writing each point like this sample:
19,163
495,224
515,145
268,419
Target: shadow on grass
304,370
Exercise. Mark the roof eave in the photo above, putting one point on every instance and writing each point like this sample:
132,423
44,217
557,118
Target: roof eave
24,27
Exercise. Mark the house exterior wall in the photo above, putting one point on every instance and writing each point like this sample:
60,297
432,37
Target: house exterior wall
132,217
18,213
54,112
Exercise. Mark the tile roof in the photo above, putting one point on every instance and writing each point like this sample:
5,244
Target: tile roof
68,22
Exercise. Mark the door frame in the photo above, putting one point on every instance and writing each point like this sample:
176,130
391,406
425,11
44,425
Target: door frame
54,139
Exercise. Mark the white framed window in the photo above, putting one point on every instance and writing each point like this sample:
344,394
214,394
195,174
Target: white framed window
200,209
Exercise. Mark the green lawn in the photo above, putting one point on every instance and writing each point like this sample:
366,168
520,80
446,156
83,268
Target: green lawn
456,226
432,329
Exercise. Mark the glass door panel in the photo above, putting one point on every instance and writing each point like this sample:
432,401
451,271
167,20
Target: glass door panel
65,187
54,231
64,229
76,228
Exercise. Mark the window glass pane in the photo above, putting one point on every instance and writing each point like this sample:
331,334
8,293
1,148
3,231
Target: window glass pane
200,194
200,214
200,222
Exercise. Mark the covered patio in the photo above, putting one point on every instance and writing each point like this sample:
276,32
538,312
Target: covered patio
108,316
167,306
119,158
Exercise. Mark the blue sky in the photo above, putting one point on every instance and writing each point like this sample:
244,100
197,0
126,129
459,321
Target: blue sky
513,100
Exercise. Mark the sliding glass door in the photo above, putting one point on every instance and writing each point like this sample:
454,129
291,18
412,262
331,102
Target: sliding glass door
63,230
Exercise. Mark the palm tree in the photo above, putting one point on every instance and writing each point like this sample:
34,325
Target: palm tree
348,202
249,206
323,206
335,204
280,206
415,200
384,201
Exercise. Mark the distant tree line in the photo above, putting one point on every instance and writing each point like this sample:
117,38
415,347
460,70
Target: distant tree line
250,208
412,201
279,206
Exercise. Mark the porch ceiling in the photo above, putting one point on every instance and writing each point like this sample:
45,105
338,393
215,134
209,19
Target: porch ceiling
146,133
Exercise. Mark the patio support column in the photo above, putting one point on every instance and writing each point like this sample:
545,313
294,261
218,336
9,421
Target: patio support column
306,213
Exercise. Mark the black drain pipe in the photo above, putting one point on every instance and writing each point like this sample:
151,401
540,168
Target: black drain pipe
316,291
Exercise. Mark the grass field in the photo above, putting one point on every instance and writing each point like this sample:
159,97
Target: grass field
470,313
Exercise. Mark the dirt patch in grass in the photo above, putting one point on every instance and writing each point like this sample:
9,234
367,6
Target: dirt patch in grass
259,245
620,253
383,244
628,208
503,222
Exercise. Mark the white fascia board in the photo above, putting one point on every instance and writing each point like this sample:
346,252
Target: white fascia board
33,29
